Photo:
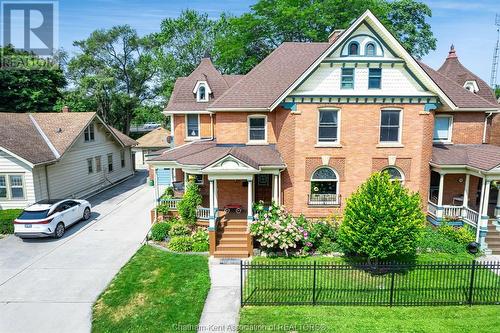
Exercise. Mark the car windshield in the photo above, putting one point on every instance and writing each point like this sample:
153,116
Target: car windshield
33,215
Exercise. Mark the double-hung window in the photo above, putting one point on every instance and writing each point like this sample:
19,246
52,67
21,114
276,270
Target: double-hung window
375,78
328,126
442,128
122,158
110,162
88,133
193,125
98,167
390,126
11,187
90,166
257,128
347,80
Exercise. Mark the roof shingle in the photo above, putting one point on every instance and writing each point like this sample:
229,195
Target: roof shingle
479,156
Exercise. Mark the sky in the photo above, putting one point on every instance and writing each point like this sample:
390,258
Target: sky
469,25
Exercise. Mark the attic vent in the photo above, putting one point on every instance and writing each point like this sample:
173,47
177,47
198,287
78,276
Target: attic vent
59,130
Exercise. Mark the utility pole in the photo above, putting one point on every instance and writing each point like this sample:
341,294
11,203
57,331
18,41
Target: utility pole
496,51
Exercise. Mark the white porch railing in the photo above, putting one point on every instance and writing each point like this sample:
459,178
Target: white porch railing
171,202
203,213
432,208
465,214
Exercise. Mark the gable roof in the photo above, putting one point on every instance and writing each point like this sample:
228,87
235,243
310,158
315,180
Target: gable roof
480,156
157,138
183,99
460,96
44,137
454,70
205,153
271,77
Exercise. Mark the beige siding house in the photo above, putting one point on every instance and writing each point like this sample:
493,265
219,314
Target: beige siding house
59,155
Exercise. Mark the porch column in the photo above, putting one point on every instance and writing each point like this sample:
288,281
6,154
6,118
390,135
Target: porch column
211,218
250,201
439,211
466,195
483,213
275,189
497,208
216,200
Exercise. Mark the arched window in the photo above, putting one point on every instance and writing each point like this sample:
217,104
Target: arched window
370,50
395,174
324,187
202,93
354,48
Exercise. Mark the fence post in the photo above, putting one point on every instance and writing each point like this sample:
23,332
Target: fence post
391,299
471,286
241,283
314,284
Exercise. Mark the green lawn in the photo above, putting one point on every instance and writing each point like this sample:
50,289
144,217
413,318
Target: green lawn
154,292
6,218
334,319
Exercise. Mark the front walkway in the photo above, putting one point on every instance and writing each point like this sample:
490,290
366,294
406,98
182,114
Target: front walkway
49,285
222,307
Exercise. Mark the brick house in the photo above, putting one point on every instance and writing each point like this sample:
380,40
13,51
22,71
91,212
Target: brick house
313,121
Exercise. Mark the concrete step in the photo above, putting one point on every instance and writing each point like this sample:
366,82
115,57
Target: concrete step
231,254
230,240
493,242
232,247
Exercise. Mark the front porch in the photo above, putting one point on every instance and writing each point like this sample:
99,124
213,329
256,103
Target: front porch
460,196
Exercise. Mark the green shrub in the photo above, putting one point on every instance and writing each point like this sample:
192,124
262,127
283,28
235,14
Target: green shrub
382,220
180,244
7,216
189,203
200,236
435,241
179,230
200,247
327,246
462,235
168,193
159,231
162,209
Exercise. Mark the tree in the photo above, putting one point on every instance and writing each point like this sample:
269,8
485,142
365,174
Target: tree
28,88
181,44
115,68
382,220
251,37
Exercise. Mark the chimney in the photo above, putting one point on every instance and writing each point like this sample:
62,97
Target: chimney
452,53
334,35
66,109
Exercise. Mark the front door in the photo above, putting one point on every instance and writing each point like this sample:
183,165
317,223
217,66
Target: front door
263,188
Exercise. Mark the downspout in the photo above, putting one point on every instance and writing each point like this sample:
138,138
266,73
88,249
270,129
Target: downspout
486,124
47,181
211,127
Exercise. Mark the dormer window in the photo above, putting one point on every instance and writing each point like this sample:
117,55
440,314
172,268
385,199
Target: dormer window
370,50
471,86
354,48
202,91
202,94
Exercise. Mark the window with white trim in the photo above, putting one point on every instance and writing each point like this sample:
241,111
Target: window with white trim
12,187
88,133
390,126
257,129
90,166
374,78
353,48
3,187
324,187
347,78
370,49
442,128
193,125
328,126
98,166
122,158
110,163
395,174
201,94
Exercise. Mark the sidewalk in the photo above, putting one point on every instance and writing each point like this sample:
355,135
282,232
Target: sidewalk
221,311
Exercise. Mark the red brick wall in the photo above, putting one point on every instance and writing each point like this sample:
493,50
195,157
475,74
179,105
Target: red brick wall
494,134
359,154
467,127
180,128
233,127
454,185
232,192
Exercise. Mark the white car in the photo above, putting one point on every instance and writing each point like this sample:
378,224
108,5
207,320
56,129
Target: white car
148,126
50,218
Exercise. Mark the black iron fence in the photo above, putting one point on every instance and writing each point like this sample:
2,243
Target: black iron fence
390,284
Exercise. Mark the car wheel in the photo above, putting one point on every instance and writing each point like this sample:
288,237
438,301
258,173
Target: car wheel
59,232
86,214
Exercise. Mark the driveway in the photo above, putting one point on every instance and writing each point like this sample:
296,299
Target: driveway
49,285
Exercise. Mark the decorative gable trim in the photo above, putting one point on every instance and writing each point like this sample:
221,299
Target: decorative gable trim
229,164
393,45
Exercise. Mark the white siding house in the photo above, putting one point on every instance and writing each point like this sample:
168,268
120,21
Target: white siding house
81,145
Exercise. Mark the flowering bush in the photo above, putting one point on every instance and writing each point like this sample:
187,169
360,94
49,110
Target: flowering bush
276,229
